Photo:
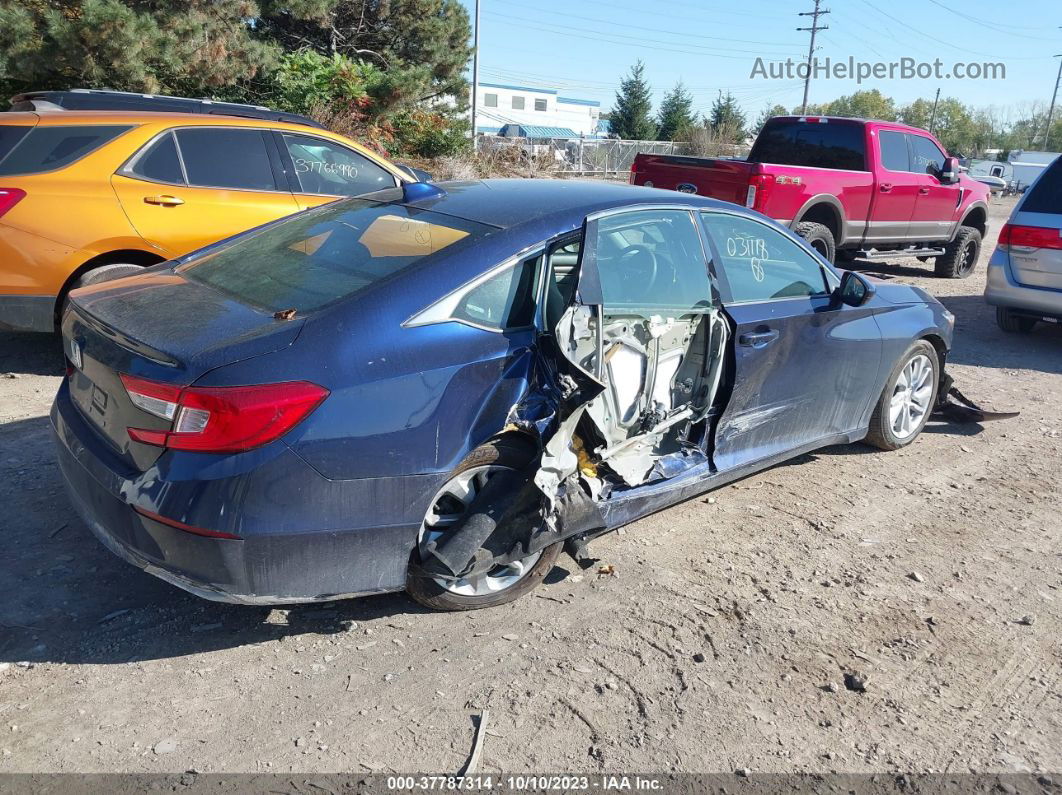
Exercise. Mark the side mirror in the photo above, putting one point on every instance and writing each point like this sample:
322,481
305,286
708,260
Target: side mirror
854,290
949,175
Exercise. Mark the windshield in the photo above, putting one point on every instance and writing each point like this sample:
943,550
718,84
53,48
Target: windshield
314,259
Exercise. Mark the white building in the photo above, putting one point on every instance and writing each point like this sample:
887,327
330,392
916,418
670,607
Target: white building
534,113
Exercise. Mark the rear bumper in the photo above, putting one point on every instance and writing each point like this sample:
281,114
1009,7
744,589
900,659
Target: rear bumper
27,313
260,568
1001,289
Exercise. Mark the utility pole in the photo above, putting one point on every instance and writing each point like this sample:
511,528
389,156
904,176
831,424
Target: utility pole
815,28
933,114
1051,110
475,78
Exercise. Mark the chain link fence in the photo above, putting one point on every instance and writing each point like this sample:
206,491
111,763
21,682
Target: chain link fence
605,157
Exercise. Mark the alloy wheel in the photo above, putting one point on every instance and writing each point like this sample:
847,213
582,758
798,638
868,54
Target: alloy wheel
911,396
447,509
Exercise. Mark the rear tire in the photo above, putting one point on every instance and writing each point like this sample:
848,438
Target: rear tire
960,256
903,395
819,237
1012,323
430,592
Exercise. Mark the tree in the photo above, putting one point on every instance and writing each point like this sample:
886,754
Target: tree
631,115
768,112
676,114
727,120
870,104
177,46
424,44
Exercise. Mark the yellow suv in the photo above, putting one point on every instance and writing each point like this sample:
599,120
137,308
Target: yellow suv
88,195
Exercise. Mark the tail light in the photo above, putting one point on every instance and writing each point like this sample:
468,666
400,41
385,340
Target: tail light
758,191
224,419
1030,236
9,197
634,170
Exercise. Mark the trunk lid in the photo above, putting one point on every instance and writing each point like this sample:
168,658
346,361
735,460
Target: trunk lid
159,326
727,180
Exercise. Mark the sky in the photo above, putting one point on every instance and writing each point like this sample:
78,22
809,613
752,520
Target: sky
582,48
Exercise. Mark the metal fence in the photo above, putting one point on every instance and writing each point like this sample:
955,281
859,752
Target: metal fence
597,156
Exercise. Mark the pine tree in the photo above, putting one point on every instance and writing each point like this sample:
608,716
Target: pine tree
727,120
631,116
176,46
676,114
768,112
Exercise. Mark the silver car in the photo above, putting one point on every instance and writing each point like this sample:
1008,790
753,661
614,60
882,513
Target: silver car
1025,272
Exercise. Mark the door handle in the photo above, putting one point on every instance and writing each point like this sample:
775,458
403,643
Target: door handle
923,191
758,339
164,201
885,187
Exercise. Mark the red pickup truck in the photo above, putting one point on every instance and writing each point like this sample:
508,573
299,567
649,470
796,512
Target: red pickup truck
850,187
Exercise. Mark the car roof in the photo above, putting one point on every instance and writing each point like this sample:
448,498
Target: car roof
854,120
512,203
67,118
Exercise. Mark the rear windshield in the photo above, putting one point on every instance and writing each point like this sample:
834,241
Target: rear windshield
806,143
314,259
1045,196
9,136
51,148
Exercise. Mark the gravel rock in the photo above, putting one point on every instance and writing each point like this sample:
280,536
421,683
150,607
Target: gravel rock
167,746
914,575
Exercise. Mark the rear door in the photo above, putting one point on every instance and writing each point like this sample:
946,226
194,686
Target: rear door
1036,232
897,191
320,171
195,185
805,366
935,204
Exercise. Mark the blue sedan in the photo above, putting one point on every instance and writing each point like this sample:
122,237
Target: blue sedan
439,388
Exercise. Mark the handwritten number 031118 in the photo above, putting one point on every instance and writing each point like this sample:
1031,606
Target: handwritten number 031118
751,248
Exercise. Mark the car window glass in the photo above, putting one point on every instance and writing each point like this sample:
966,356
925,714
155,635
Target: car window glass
926,157
11,135
314,258
761,263
160,162
1045,196
652,261
326,168
894,155
51,148
790,142
226,158
504,301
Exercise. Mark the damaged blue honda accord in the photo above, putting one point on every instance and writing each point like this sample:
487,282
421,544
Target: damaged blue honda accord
438,388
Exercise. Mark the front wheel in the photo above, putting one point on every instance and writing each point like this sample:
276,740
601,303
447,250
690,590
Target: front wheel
907,400
960,255
499,585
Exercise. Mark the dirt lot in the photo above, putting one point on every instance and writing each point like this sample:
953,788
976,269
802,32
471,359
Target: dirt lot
722,642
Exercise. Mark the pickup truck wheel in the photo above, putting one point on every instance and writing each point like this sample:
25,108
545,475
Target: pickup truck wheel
819,238
1015,324
960,256
907,400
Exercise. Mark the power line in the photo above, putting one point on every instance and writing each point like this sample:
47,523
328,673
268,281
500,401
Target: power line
815,28
990,24
618,38
598,21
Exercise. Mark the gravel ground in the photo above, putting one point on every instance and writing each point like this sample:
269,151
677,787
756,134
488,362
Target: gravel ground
853,610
